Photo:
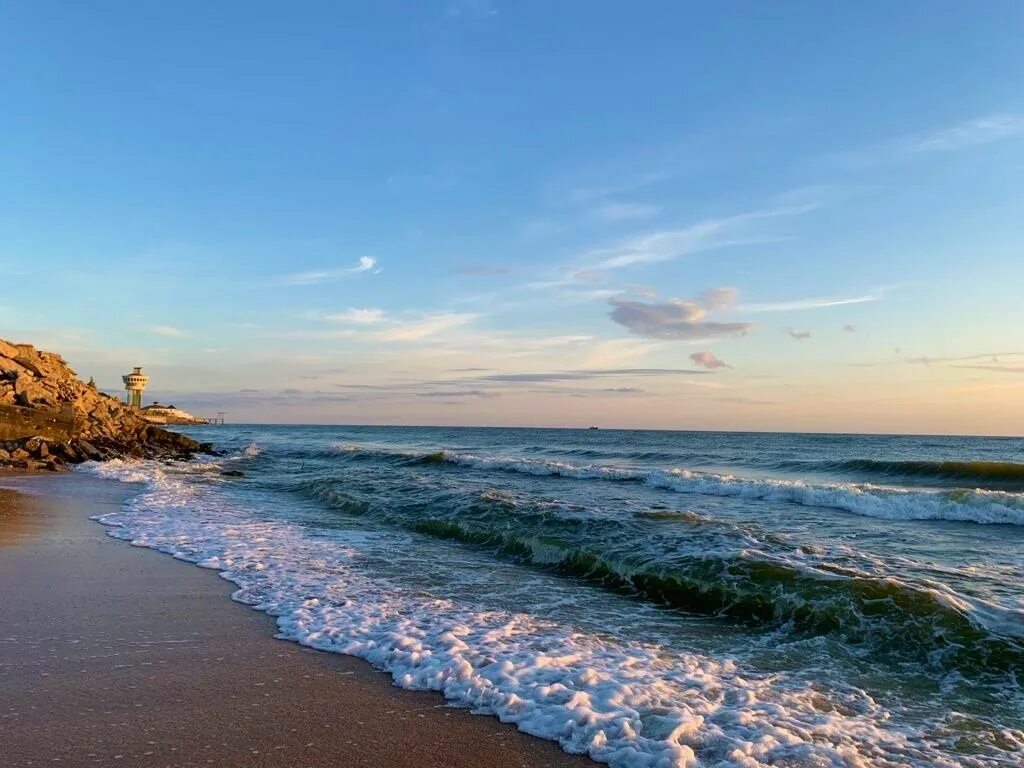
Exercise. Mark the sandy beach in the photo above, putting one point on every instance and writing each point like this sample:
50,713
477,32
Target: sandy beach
117,656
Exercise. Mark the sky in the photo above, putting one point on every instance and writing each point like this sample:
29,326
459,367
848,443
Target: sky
797,216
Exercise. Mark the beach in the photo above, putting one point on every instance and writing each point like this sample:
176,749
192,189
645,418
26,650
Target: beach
116,656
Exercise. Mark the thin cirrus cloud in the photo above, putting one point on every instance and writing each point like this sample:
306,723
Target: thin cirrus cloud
980,130
319,276
967,134
997,368
994,362
718,298
473,9
612,212
597,193
802,304
797,335
482,270
710,234
429,325
168,331
586,374
357,316
470,393
679,319
991,357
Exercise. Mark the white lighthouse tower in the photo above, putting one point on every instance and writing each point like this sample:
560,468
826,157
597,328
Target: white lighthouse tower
134,383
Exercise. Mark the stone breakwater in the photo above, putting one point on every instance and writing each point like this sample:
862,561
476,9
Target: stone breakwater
49,418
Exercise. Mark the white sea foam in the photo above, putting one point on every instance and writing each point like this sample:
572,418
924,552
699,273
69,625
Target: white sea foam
977,506
344,448
627,704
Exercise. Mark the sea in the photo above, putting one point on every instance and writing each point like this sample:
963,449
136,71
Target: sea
647,598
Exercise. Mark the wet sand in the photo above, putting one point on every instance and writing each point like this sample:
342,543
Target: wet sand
117,656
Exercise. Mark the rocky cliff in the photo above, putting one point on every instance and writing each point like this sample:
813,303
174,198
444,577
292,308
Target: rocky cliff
48,418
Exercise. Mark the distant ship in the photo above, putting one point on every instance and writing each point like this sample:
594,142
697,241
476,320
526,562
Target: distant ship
595,427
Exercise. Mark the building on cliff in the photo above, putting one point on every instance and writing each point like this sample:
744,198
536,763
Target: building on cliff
157,413
134,383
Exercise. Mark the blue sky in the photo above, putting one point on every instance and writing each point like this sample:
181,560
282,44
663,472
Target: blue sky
742,215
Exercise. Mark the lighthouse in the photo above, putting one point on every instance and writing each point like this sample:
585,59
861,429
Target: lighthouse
134,383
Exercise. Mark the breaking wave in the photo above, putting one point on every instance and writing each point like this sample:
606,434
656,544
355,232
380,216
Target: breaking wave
963,505
716,568
978,471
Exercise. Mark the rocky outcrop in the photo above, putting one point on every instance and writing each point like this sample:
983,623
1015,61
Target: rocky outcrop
48,418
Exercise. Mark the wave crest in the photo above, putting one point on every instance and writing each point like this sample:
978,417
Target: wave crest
962,505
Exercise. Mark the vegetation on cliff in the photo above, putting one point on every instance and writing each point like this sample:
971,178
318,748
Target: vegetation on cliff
49,418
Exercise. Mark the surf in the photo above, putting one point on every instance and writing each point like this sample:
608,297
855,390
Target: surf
960,505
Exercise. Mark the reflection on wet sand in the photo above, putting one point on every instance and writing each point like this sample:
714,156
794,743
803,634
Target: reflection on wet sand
21,516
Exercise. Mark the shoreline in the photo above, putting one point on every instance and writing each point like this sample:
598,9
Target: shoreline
110,655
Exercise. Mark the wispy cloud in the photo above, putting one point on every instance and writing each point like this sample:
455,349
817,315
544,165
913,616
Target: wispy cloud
991,357
618,353
980,130
167,330
318,276
710,234
993,362
320,335
676,319
997,368
798,335
975,132
802,304
708,360
481,393
850,328
744,401
429,325
612,212
476,9
586,194
583,375
356,316
718,298
482,270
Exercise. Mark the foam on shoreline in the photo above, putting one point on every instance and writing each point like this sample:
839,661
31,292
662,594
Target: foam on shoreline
627,704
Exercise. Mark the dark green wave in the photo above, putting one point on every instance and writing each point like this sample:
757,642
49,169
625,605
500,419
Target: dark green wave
701,570
894,616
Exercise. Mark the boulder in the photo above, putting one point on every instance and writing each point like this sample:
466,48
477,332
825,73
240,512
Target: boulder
86,449
8,350
36,446
25,361
10,369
